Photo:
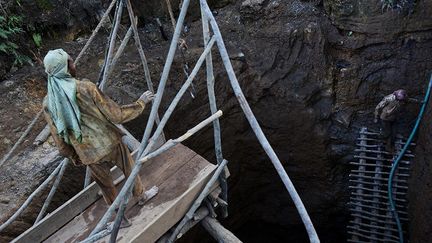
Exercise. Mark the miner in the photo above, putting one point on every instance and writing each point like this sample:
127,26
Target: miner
82,118
388,111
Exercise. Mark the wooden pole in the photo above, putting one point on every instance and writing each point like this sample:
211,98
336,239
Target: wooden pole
313,236
219,233
112,45
164,77
213,109
189,215
54,187
30,198
21,139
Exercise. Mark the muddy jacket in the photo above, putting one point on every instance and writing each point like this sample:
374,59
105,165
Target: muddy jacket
388,108
98,115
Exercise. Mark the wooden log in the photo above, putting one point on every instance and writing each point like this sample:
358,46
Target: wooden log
219,233
42,136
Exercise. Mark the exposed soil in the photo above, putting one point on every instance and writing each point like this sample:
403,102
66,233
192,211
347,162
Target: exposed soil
312,71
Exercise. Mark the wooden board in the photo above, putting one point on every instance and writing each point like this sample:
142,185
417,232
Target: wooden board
63,214
180,174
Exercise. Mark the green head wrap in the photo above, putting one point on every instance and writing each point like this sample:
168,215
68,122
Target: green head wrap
62,102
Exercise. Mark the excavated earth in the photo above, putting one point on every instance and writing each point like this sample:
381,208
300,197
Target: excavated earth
312,72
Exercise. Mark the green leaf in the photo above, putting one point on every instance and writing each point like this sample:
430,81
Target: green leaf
37,39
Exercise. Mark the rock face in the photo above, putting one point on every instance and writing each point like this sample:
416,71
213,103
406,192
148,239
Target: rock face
421,179
313,72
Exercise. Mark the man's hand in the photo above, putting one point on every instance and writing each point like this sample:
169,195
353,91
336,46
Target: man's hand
147,97
376,120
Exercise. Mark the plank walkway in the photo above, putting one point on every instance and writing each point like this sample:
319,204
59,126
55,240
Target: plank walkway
179,173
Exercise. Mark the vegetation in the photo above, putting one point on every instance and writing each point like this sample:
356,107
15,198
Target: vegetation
13,33
10,29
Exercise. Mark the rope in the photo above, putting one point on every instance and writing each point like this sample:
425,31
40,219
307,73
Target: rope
398,159
21,139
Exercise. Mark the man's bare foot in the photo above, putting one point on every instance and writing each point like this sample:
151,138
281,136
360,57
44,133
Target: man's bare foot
147,195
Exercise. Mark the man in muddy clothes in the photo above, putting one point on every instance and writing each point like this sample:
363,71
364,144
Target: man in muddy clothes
82,118
388,111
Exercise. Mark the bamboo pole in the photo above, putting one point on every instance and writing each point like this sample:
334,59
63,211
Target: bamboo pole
179,95
164,77
30,198
213,109
112,45
142,55
313,237
21,139
53,191
127,187
189,215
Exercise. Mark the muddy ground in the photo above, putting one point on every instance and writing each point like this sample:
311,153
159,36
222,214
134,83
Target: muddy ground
312,71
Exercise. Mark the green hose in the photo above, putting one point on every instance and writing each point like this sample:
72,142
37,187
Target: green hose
401,154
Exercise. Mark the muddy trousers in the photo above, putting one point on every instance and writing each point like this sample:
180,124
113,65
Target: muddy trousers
120,157
389,133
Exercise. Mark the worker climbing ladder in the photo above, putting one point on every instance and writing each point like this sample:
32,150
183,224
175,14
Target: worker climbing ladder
371,217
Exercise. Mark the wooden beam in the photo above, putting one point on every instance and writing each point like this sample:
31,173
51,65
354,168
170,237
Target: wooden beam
219,233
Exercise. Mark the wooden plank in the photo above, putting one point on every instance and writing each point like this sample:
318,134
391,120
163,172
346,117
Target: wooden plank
63,214
167,169
76,205
156,221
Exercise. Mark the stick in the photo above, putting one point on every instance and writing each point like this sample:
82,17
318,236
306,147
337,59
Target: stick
112,45
213,109
164,77
179,95
95,31
87,178
21,139
30,198
313,237
53,190
198,201
142,57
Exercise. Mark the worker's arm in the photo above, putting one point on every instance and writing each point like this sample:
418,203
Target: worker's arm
116,113
65,149
381,105
415,101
